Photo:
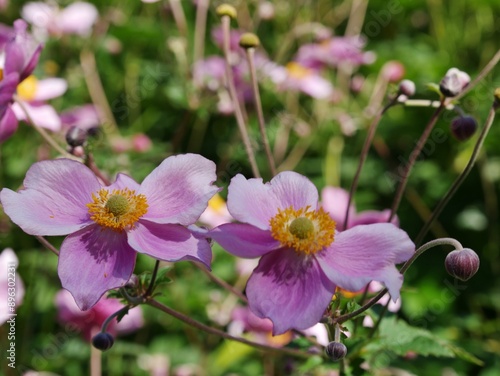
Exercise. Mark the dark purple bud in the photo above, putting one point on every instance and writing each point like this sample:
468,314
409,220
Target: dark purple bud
336,350
407,87
76,136
453,82
463,127
103,341
462,264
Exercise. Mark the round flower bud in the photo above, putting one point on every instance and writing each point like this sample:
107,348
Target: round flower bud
76,136
463,127
453,82
249,40
226,10
407,87
336,350
462,264
103,341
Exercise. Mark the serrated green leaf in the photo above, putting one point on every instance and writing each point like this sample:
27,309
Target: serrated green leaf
465,355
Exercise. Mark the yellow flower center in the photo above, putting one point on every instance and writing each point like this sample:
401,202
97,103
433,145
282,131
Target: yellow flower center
307,231
217,203
117,210
27,89
296,70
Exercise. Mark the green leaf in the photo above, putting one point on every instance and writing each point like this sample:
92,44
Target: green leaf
434,88
310,364
397,338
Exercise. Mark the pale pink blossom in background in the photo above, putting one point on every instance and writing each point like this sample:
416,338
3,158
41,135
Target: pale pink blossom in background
49,20
8,259
216,213
90,321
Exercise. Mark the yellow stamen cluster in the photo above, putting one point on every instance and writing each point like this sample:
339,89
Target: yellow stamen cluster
27,89
298,71
117,210
307,231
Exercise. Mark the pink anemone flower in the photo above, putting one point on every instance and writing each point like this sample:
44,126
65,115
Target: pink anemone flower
90,321
19,55
303,258
335,200
108,225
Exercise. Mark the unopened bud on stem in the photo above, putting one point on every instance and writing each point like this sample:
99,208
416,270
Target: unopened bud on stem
462,264
226,10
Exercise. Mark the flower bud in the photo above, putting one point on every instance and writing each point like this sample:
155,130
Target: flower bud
462,264
226,10
453,82
463,127
76,136
103,341
249,40
407,87
336,350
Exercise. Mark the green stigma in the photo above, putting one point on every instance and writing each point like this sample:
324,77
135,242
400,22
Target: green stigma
117,205
301,227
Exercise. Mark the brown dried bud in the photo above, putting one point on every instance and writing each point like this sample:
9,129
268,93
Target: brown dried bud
462,264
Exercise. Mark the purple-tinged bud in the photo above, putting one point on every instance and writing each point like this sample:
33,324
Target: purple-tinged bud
453,82
76,136
103,341
336,351
407,87
463,127
462,264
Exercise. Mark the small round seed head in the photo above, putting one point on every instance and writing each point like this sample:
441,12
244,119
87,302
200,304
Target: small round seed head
249,40
226,10
463,127
462,264
103,341
336,351
76,136
407,87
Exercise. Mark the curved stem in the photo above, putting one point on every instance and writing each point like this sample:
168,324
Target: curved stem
460,179
404,268
42,131
90,163
208,329
108,320
412,159
258,105
47,245
364,153
226,24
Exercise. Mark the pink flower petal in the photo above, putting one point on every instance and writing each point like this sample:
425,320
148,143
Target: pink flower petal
244,240
93,261
50,88
334,201
53,201
169,242
367,252
8,259
124,181
8,124
38,14
178,190
368,217
44,115
77,18
290,290
251,201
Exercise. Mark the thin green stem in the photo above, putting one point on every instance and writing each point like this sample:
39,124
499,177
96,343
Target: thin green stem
151,286
42,131
364,153
208,329
250,52
199,31
226,28
108,320
460,179
412,159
